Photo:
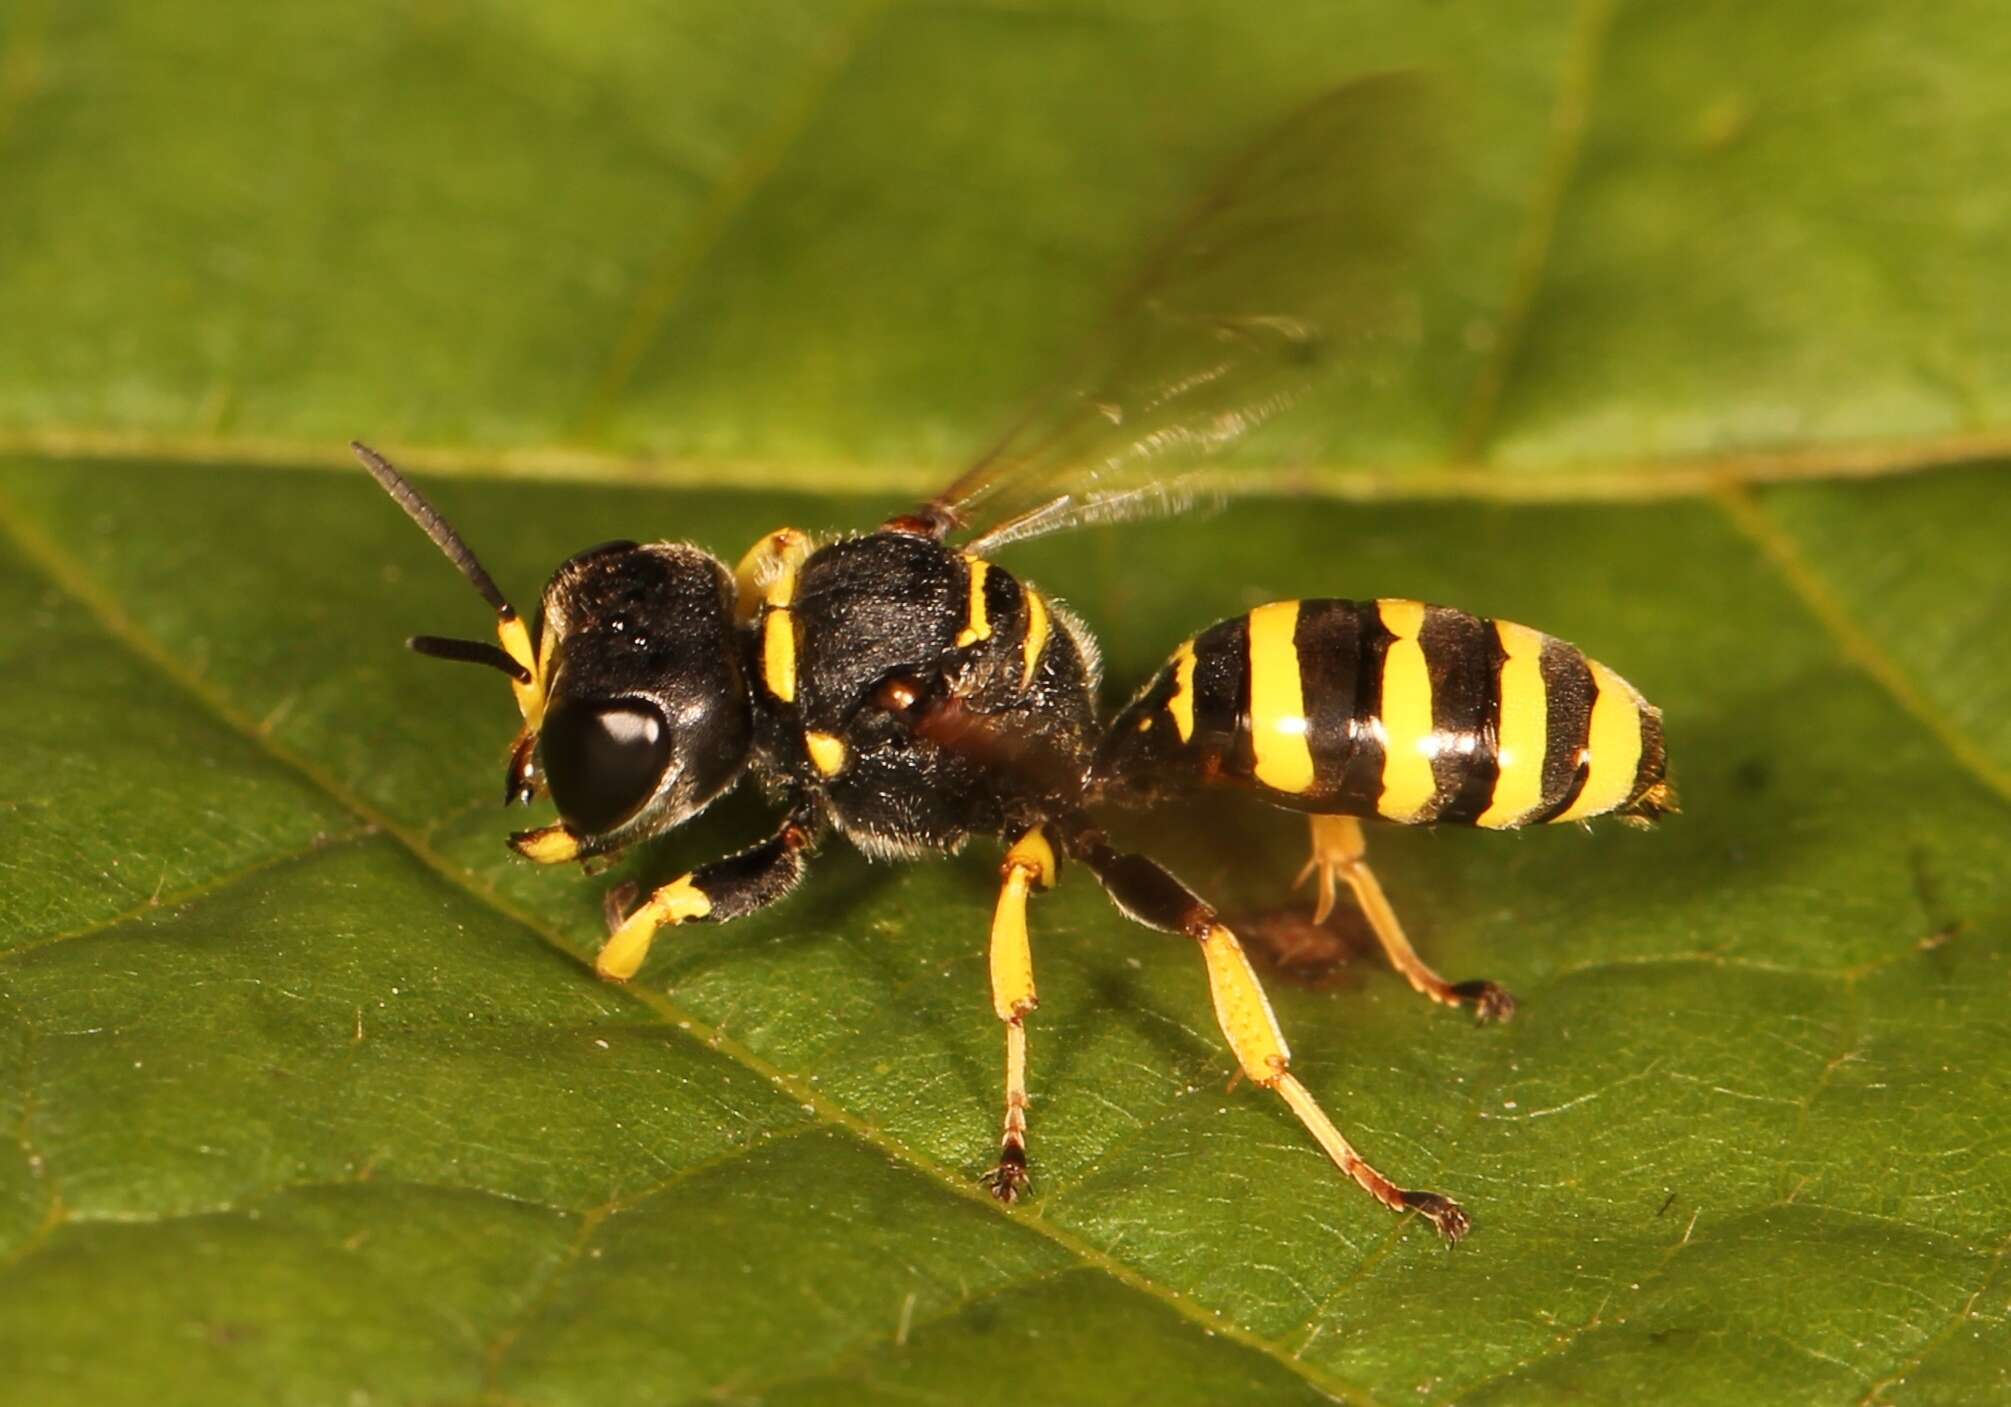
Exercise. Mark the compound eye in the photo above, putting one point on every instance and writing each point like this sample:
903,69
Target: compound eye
603,760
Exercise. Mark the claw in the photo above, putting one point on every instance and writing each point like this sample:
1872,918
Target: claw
1008,1181
1323,871
616,903
1491,1002
1442,1212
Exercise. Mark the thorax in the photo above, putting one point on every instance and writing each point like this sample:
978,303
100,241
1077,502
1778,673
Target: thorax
929,693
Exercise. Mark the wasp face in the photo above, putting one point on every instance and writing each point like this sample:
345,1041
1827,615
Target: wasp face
646,715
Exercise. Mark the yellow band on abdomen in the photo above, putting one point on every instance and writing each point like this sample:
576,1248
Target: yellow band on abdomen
1282,752
1613,749
1410,743
1524,730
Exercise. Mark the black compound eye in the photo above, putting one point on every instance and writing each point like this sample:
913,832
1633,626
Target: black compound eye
603,760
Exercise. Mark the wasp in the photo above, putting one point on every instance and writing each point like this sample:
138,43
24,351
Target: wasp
902,689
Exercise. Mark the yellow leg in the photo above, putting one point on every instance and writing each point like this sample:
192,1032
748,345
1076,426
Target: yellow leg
548,845
1146,892
1029,863
1245,1015
719,892
628,945
1338,853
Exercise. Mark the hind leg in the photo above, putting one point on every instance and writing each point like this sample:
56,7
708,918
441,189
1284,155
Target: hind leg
1339,853
1148,893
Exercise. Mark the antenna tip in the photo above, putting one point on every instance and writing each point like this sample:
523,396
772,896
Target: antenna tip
381,469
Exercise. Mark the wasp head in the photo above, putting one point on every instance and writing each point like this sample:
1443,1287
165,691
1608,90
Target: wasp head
636,710
646,716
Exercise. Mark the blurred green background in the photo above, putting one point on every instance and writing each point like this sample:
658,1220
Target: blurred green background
307,1093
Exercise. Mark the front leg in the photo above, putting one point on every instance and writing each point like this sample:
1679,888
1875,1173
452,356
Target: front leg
721,891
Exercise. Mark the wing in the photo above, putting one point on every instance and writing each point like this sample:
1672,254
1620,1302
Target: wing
1287,278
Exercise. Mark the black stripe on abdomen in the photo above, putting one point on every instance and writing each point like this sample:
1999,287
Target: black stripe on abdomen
1222,695
1654,763
1569,692
1341,645
1463,656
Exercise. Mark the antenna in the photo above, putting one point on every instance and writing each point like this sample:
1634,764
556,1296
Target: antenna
517,658
436,527
467,652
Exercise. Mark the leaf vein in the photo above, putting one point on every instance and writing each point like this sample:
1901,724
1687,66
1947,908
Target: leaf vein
1780,551
189,893
757,164
855,1354
1568,1340
1652,479
1577,83
1876,1393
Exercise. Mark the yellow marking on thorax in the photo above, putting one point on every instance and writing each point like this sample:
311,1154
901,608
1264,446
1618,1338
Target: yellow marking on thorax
778,653
1036,635
1525,728
1612,749
782,590
1410,743
979,627
769,564
1284,755
827,752
778,626
1181,705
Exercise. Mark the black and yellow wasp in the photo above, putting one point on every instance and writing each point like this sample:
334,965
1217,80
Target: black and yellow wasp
904,690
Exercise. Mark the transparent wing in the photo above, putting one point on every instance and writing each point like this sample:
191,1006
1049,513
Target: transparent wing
1289,276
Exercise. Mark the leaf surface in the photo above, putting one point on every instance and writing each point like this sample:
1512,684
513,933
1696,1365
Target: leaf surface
311,1093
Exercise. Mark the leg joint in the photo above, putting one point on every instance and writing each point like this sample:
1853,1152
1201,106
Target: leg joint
1033,856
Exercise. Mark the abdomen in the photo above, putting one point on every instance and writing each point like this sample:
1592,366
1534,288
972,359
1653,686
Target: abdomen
1397,709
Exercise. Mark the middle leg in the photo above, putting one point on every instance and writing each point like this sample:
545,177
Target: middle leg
1030,862
1339,852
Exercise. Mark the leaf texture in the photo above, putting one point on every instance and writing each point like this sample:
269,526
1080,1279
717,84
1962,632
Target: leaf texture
307,1091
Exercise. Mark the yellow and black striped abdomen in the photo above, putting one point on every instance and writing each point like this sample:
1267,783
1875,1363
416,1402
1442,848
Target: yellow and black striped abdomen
1414,713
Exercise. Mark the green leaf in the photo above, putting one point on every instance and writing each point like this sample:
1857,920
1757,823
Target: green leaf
307,1088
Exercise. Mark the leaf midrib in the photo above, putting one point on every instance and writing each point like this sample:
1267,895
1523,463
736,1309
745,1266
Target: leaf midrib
1647,479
